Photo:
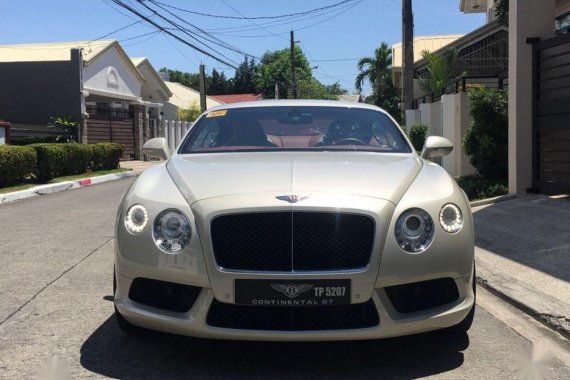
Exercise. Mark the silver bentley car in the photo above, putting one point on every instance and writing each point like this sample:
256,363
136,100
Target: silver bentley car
295,220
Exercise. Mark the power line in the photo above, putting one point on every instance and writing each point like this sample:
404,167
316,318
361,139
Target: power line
213,39
116,31
242,17
288,22
158,26
253,23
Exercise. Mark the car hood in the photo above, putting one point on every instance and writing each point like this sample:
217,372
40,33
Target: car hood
378,175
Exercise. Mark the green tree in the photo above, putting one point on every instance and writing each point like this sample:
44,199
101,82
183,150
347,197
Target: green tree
336,89
377,70
191,80
218,84
243,82
275,66
439,71
502,11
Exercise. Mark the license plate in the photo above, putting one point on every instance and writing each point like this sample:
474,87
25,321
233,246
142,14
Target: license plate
292,292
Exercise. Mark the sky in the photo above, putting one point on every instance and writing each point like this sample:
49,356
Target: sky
344,34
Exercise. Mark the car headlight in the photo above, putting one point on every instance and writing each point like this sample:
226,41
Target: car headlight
414,230
171,231
451,218
136,219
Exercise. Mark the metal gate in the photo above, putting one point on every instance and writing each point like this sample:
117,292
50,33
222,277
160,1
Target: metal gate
551,124
112,125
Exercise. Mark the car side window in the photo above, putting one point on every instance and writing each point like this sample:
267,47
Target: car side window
207,135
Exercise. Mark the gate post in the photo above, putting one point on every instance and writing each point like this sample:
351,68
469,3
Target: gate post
138,129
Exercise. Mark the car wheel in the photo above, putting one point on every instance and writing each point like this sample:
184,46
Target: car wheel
121,321
465,324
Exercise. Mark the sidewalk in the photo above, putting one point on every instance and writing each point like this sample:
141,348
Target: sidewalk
523,255
138,166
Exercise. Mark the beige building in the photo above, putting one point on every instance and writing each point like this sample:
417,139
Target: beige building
183,97
429,43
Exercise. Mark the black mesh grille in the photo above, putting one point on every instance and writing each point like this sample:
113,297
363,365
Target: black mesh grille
298,318
422,295
286,241
163,295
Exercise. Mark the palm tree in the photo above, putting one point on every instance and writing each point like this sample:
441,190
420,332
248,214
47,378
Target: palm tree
440,70
377,71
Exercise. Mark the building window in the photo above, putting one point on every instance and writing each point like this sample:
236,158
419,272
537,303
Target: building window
562,23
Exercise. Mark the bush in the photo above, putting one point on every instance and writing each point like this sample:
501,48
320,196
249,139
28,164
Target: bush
16,164
418,136
106,156
486,141
477,187
78,158
32,140
52,160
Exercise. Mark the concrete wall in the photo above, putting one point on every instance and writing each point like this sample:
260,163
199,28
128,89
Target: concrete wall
456,111
527,19
430,115
412,117
32,92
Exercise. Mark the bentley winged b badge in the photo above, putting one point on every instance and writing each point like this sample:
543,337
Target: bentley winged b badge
292,198
292,290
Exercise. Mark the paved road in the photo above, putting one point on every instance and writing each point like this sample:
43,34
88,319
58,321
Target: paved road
55,292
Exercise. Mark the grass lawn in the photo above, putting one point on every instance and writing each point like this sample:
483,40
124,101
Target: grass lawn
32,183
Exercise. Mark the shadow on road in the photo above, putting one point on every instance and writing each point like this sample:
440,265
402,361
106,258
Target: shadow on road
532,231
110,352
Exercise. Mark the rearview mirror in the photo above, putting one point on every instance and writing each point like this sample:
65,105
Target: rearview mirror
157,148
436,146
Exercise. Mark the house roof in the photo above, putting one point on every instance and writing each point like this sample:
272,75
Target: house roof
183,96
236,98
421,43
140,61
60,51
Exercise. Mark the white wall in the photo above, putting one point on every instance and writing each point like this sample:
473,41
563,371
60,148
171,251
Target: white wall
412,117
109,72
456,120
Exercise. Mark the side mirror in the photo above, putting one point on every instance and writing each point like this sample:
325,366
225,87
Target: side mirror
157,148
436,146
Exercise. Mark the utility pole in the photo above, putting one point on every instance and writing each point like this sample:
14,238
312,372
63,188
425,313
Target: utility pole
408,56
293,80
202,88
276,90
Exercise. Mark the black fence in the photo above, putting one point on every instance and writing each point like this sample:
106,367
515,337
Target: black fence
463,84
108,112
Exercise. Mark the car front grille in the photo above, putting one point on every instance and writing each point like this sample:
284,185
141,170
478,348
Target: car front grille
292,241
293,318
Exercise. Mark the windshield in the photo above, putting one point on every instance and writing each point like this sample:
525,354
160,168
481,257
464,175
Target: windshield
295,128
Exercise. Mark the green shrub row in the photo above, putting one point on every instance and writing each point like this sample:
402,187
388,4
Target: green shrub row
477,187
25,140
46,161
16,163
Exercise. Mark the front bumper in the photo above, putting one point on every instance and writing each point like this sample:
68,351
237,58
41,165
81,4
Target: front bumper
194,322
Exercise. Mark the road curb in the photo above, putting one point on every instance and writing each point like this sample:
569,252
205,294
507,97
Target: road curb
56,187
544,308
488,201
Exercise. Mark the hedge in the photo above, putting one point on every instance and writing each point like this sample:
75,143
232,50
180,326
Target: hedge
16,164
56,160
106,156
418,135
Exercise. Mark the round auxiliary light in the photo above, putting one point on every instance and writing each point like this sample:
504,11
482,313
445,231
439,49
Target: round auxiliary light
172,231
136,219
451,218
414,230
